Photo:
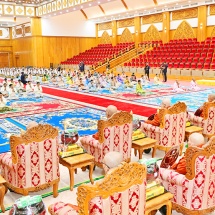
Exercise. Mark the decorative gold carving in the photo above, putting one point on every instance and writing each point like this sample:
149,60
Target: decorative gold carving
25,191
1,33
193,152
125,23
30,11
117,119
184,31
28,29
19,10
105,39
155,18
185,14
212,9
126,36
37,134
118,180
206,107
177,108
152,34
104,26
19,31
185,211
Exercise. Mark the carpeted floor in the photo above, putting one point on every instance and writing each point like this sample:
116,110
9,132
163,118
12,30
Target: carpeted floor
95,100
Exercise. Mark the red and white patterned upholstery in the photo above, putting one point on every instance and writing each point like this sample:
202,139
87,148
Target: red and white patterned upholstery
208,124
116,138
172,133
61,208
196,192
129,201
37,164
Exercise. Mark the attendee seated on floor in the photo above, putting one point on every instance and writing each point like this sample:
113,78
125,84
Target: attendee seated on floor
193,85
177,87
29,88
54,80
119,79
113,83
139,88
44,79
5,90
102,82
92,86
38,91
5,81
60,81
155,119
133,78
3,101
157,80
12,82
20,86
81,85
12,92
195,139
200,111
110,111
123,76
127,82
112,160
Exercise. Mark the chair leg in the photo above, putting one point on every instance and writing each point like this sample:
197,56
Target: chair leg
55,189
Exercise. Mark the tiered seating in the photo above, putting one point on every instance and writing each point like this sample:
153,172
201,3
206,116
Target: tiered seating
186,53
99,54
153,43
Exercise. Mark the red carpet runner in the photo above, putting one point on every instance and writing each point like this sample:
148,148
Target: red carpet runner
137,109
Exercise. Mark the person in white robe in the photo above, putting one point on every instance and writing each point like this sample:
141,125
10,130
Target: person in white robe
177,88
5,90
12,92
157,80
60,81
193,85
3,101
29,88
20,87
38,91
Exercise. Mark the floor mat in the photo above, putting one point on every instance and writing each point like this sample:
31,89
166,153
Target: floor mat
193,100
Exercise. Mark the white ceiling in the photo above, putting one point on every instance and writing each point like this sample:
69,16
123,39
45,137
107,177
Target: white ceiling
115,9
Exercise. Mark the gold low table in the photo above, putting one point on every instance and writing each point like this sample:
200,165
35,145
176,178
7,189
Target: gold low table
156,203
192,129
3,190
78,161
143,144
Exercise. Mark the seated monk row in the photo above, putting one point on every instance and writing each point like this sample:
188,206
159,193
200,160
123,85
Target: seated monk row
200,112
110,111
195,139
154,119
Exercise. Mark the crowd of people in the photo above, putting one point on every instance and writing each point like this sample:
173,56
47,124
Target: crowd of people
27,81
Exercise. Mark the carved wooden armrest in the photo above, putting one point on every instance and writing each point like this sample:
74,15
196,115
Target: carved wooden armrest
171,176
149,127
89,140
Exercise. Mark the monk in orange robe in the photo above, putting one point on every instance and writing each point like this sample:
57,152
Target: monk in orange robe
195,139
199,112
155,119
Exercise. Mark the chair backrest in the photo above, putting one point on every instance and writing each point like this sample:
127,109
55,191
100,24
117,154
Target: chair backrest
173,123
35,155
209,117
200,165
122,191
116,133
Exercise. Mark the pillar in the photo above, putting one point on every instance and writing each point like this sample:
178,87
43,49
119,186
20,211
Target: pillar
114,32
166,27
202,23
137,36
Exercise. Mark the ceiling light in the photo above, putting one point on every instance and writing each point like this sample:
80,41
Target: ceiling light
189,1
89,4
81,6
176,3
67,10
98,2
54,14
74,9
60,12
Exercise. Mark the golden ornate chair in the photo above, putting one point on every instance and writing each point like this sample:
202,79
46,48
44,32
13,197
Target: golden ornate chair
172,127
121,192
194,192
115,134
33,162
207,122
